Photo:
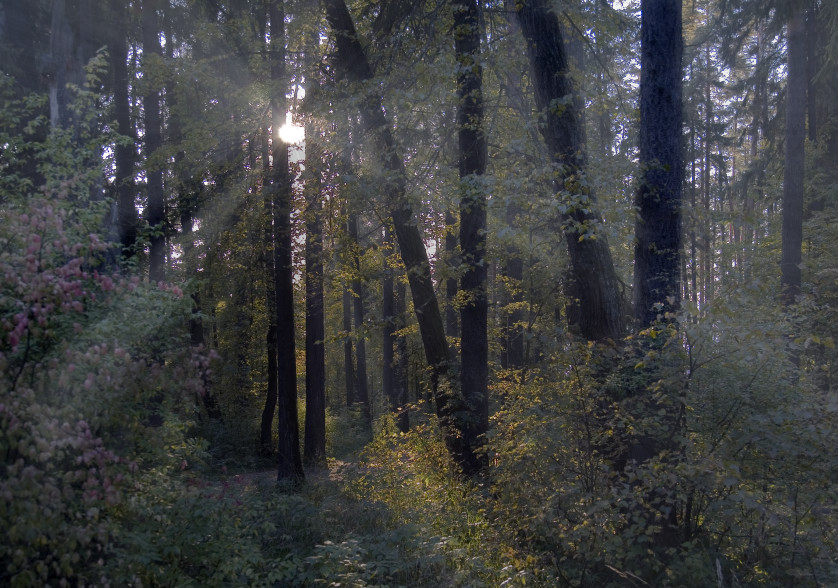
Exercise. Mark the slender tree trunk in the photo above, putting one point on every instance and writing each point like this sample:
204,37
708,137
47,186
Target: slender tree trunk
124,155
474,345
388,333
272,392
348,356
290,466
155,210
452,325
593,286
314,448
401,372
794,160
362,389
351,63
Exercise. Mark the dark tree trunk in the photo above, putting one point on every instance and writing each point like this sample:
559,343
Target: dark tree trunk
452,325
155,211
348,356
314,442
290,466
593,287
657,266
474,342
794,160
271,393
351,63
400,376
124,155
388,334
361,389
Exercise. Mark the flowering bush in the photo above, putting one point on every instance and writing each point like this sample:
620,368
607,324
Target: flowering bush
87,360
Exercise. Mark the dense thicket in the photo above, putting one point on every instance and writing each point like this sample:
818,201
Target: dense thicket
550,285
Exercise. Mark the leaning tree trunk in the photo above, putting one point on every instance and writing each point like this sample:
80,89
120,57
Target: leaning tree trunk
351,63
290,465
593,287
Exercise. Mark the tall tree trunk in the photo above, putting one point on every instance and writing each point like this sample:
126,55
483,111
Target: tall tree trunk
290,466
657,289
155,210
351,63
593,286
474,344
794,159
124,154
402,362
388,333
314,442
348,355
272,391
657,285
361,389
452,325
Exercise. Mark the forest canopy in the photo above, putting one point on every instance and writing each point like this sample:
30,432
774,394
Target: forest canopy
418,293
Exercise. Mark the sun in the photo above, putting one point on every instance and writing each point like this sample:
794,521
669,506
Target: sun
291,133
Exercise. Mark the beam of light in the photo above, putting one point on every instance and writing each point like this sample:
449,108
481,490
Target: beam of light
291,133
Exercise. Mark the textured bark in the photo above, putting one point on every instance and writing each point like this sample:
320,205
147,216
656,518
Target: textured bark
657,267
361,385
271,392
348,355
290,465
351,63
400,377
593,286
155,210
124,155
794,160
388,332
314,443
452,325
474,342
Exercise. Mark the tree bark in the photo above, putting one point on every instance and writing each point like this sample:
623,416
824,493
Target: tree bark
155,211
794,160
124,154
348,356
657,289
474,342
290,465
361,385
314,442
388,333
351,63
593,285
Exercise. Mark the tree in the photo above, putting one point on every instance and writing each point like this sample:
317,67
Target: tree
314,442
657,267
474,346
125,151
793,174
351,64
155,211
592,285
290,466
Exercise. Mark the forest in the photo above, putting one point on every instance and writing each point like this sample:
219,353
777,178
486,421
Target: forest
418,293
